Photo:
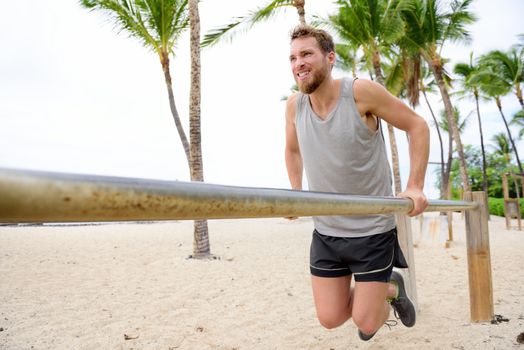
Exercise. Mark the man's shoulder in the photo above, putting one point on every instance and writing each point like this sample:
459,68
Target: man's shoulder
292,99
363,85
291,105
291,102
365,90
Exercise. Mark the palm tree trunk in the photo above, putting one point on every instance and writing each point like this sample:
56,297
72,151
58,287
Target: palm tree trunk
484,164
391,131
437,69
411,69
442,164
164,60
299,5
449,163
394,159
201,248
518,92
499,106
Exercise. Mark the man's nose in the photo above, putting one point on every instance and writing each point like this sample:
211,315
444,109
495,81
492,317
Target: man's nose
299,63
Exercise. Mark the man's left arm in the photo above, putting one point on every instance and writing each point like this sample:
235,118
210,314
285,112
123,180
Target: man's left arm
386,106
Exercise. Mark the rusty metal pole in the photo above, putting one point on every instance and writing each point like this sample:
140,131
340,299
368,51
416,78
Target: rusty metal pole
31,196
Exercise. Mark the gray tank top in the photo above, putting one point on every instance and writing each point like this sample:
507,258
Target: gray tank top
341,154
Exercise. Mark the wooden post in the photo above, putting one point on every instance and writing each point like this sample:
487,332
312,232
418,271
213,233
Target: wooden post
449,215
479,261
405,240
506,197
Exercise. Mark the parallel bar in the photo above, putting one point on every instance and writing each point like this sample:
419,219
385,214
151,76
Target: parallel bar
34,196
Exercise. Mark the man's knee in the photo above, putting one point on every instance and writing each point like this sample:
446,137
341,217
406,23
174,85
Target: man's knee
332,319
330,323
368,323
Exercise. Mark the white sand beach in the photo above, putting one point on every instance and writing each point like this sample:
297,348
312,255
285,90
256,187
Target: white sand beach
131,286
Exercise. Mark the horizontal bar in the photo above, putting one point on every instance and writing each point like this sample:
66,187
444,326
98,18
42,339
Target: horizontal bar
35,196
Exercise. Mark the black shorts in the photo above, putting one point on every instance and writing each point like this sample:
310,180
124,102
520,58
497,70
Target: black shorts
369,258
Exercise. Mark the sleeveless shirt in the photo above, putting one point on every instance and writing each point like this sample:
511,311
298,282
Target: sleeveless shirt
342,154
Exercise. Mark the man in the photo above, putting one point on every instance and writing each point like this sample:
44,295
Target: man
332,130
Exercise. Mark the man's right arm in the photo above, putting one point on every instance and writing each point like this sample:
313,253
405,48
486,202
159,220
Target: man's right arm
294,163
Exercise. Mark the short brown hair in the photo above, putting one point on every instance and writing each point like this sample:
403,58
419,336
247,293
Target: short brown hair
324,40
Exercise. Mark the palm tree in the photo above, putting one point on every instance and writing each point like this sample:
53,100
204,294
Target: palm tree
428,28
158,24
494,85
201,247
244,23
465,71
510,67
374,27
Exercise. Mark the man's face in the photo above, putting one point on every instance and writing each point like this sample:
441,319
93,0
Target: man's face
310,66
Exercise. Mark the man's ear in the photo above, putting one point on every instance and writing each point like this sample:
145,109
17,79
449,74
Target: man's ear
332,57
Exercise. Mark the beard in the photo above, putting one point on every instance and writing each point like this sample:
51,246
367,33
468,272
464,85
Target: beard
318,77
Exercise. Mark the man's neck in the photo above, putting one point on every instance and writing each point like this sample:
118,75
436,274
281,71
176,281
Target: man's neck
325,97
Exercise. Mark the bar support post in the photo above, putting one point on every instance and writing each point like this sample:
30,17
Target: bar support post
479,259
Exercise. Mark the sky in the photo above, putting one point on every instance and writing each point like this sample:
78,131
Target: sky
78,96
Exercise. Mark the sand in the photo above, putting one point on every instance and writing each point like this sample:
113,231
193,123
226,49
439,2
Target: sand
131,286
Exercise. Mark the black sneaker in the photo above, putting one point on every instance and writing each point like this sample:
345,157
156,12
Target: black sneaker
403,307
365,337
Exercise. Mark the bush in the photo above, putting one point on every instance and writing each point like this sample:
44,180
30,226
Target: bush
496,206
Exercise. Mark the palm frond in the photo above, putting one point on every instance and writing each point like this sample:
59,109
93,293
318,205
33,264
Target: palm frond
502,145
394,77
456,22
346,57
155,23
461,122
371,25
416,25
509,64
490,78
518,120
244,23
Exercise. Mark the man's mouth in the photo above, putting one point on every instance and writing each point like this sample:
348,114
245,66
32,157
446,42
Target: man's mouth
303,75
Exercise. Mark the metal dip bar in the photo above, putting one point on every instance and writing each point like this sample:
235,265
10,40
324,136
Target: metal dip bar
35,196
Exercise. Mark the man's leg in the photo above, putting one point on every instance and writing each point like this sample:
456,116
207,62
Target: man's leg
370,308
333,299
